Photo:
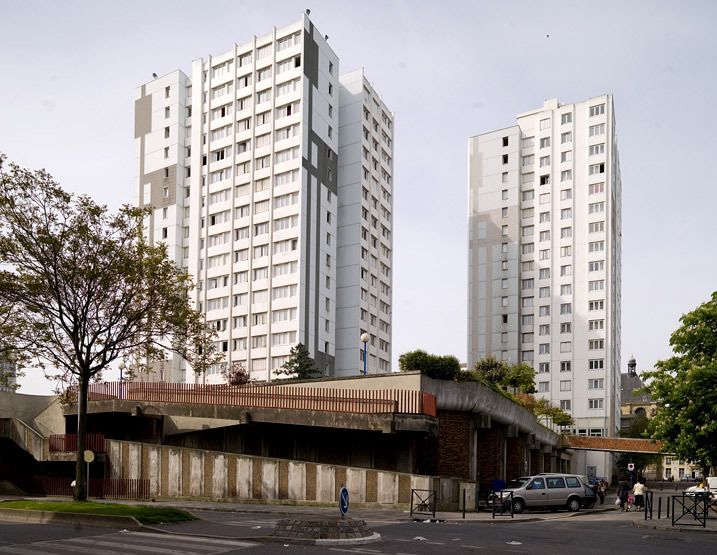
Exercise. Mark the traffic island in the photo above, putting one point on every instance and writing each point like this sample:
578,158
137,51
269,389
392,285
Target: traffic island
324,531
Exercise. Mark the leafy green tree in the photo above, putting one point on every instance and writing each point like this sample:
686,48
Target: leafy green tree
516,378
236,374
300,365
686,386
439,367
520,378
87,290
491,370
542,407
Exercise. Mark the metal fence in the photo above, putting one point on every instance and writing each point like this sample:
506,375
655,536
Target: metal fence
423,503
271,396
99,488
66,443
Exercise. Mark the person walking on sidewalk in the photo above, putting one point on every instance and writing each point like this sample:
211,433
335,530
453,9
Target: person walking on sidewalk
639,493
623,489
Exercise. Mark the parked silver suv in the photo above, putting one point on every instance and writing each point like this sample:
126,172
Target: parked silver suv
551,490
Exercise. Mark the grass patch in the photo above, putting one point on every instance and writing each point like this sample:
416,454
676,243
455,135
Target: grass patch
143,513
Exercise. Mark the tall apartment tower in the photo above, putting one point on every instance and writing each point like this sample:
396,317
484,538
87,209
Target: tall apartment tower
240,164
544,258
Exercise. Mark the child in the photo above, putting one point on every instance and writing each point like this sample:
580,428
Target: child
630,501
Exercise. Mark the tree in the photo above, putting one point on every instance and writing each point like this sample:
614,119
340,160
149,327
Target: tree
86,289
236,374
516,378
439,367
300,365
542,407
686,387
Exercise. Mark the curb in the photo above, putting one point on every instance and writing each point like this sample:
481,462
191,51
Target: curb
77,519
699,530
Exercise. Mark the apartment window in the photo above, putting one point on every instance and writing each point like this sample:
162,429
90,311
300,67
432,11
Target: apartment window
543,368
526,265
566,270
166,112
544,198
566,308
526,338
527,230
596,364
596,207
544,273
527,212
566,385
565,366
504,194
528,142
566,251
595,325
595,169
597,110
504,177
544,329
525,319
596,285
166,91
596,246
566,346
595,188
595,130
527,178
504,248
566,118
544,124
566,194
504,283
566,289
504,301
543,387
544,348
565,404
594,150
527,284
505,159
544,292
566,175
566,156
545,235
527,248
545,142
544,310
166,132
165,192
526,302
544,217
528,195
565,327
566,232
545,179
595,403
566,213
596,344
504,230
544,161
596,227
544,254
504,318
166,170
505,141
566,137
596,305
528,160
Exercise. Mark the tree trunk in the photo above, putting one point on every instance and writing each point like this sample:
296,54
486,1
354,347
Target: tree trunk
80,493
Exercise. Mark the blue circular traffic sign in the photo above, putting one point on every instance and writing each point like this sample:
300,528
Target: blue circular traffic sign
343,500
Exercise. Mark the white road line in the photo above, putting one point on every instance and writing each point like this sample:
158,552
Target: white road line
197,539
126,548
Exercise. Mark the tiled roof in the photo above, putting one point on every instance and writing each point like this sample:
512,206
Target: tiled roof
614,444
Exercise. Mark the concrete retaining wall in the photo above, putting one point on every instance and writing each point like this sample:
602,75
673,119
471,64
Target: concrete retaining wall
182,472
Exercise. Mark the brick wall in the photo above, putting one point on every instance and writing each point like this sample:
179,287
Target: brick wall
489,454
514,458
454,444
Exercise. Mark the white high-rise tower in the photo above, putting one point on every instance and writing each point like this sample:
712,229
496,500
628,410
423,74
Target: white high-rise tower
544,258
240,163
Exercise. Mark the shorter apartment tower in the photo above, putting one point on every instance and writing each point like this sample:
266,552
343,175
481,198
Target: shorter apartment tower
544,258
240,164
365,242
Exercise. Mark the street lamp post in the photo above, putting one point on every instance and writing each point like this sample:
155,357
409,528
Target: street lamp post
122,366
364,338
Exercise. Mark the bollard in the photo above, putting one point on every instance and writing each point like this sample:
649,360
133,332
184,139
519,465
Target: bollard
659,508
464,504
668,507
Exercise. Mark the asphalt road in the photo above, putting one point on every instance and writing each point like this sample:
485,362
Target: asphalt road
601,533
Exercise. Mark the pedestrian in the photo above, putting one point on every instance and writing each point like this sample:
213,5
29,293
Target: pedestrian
622,492
639,493
601,491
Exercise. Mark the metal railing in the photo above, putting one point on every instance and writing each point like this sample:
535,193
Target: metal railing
423,503
112,488
695,506
505,500
67,443
271,396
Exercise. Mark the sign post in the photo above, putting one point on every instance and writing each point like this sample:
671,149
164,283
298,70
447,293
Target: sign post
89,456
343,501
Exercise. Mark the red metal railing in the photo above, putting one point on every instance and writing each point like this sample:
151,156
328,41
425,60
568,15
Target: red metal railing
64,443
271,396
100,487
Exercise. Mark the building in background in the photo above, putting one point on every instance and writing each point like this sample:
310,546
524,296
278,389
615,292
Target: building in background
544,259
8,375
240,165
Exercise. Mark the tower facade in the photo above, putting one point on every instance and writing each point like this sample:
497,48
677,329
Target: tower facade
544,257
240,165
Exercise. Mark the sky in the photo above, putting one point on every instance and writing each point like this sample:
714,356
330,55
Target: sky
448,70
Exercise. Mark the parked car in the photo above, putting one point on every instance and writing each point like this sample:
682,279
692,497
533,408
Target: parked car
554,491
